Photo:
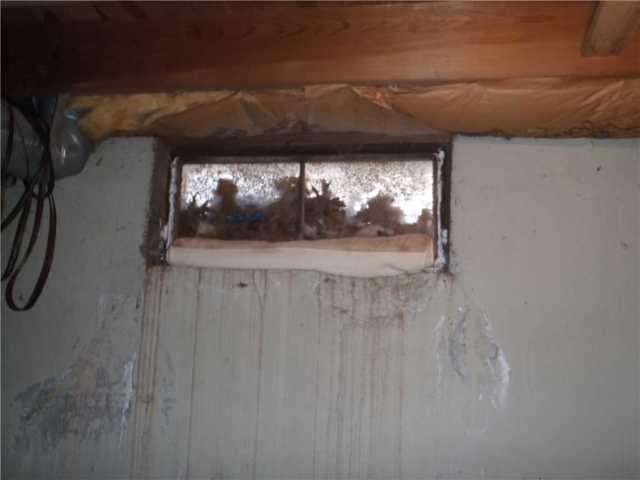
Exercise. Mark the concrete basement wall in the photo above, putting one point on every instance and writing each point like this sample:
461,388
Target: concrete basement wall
69,364
522,363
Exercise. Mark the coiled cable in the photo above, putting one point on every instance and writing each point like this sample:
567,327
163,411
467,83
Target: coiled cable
38,188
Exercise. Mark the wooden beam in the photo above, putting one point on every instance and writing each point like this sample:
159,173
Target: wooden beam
80,12
118,11
612,28
285,45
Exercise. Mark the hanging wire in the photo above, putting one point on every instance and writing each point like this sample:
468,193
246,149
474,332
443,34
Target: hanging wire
38,187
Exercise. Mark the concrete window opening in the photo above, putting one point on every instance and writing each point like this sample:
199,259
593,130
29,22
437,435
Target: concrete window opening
357,214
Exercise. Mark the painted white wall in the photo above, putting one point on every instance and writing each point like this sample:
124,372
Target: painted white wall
254,374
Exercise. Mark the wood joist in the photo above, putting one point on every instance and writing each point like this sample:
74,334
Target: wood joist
133,48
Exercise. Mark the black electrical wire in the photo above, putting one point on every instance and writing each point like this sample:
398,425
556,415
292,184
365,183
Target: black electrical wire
9,147
38,187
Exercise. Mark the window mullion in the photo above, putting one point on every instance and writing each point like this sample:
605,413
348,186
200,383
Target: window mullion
301,198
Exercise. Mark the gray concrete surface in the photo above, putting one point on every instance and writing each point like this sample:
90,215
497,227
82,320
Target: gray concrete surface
521,364
68,365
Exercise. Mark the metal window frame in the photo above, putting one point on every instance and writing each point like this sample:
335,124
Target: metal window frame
437,152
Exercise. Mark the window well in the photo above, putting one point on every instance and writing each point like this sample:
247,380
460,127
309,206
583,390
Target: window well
357,214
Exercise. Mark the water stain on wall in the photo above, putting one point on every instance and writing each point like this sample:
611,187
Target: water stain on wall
287,356
463,343
494,371
91,398
456,342
465,347
167,390
389,301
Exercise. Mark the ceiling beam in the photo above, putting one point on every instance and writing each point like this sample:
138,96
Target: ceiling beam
287,45
611,28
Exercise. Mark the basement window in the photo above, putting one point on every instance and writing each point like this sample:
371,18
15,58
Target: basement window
360,214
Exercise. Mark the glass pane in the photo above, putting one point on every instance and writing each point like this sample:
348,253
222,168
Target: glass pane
368,199
240,201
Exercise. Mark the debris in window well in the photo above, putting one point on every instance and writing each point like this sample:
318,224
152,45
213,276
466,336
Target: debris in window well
235,201
225,218
341,199
324,214
368,199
